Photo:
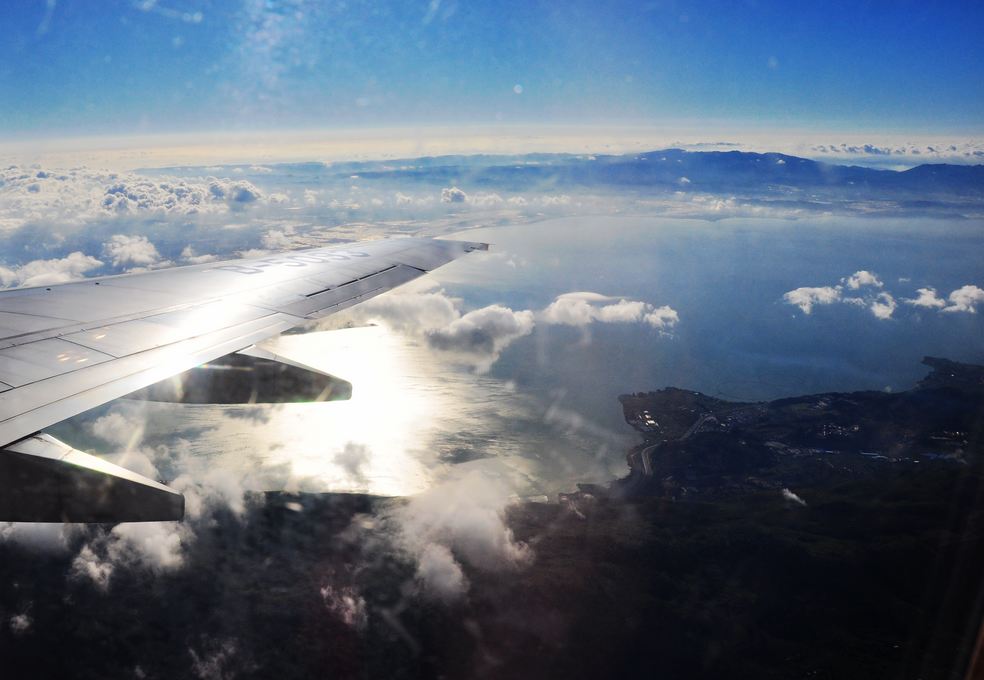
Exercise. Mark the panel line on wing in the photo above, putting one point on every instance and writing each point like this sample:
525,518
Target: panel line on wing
347,283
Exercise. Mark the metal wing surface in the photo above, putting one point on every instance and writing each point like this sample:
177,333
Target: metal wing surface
70,347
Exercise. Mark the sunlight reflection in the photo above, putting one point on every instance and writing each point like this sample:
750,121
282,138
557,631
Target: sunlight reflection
372,442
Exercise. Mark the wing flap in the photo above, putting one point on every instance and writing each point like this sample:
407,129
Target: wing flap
45,480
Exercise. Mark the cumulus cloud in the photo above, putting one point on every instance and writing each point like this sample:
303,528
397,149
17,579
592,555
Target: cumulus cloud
807,297
275,239
118,429
791,497
131,250
862,278
927,298
157,546
965,299
47,538
133,194
453,195
482,334
81,195
234,192
88,566
662,317
129,195
439,574
408,313
191,257
883,306
476,337
582,308
46,272
461,521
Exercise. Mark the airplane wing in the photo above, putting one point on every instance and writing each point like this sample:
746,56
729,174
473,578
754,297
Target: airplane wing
67,348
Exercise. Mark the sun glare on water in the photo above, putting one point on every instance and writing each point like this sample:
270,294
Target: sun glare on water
376,442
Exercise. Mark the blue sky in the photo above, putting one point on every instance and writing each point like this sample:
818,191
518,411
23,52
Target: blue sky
78,68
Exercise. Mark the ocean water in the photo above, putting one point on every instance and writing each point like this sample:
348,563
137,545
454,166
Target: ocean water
546,415
737,338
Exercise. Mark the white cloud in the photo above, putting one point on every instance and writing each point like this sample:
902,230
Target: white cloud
347,604
81,195
965,299
191,257
476,338
234,192
439,574
88,566
482,334
453,195
46,272
549,200
582,308
927,298
276,239
479,337
485,200
806,297
158,546
792,497
118,429
883,306
20,623
409,313
862,278
461,519
136,250
48,538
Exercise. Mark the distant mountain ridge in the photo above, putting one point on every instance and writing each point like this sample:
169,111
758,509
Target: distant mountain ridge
677,169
